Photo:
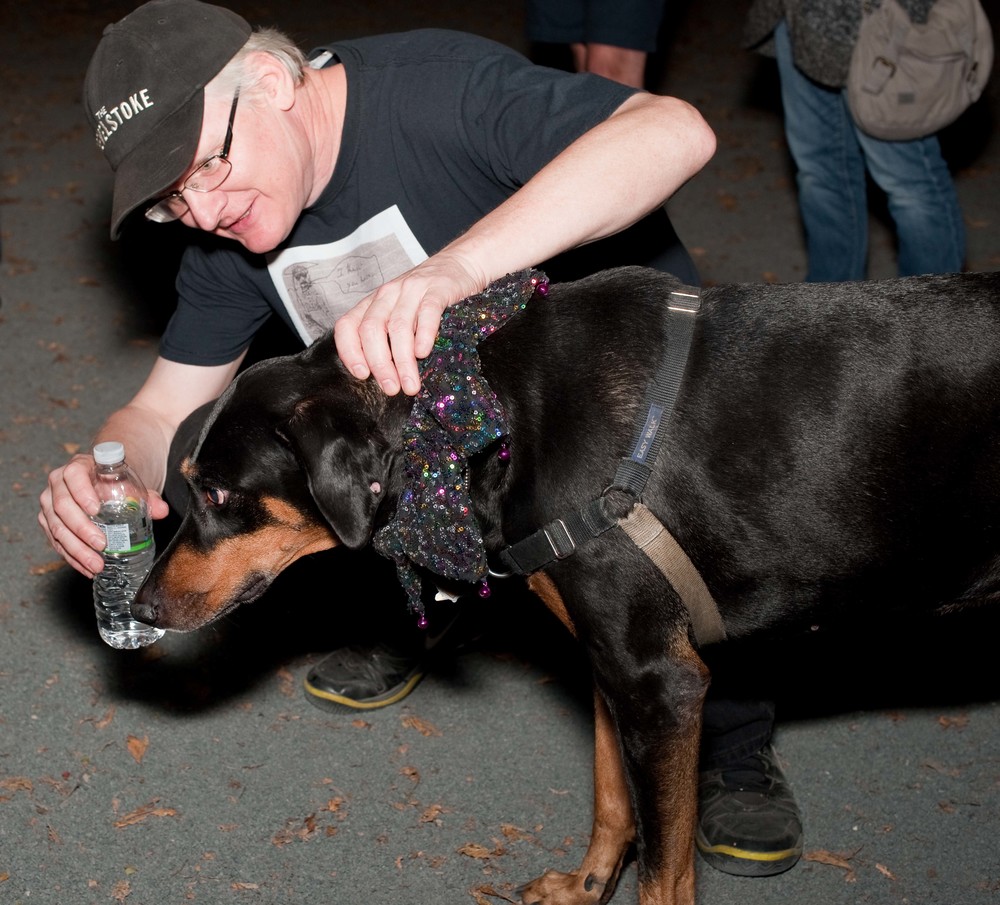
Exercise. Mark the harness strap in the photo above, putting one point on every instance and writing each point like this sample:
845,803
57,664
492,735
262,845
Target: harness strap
649,535
661,397
558,539
561,537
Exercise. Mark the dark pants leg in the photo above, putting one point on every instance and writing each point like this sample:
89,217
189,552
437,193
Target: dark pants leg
733,729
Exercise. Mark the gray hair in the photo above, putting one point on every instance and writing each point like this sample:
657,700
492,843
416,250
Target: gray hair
237,74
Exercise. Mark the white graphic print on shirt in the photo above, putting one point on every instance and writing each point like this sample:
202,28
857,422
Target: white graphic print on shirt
319,283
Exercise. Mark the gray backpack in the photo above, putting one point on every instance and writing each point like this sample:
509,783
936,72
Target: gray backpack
908,80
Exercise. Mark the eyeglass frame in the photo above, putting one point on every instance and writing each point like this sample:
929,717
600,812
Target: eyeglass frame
161,212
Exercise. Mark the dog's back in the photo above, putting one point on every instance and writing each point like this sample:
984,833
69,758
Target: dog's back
833,445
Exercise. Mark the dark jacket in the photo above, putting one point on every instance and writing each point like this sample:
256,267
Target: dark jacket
823,32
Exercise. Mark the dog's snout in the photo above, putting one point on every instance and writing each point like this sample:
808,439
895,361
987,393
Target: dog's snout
143,606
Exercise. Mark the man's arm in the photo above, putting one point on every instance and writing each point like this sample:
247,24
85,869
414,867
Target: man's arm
606,180
146,426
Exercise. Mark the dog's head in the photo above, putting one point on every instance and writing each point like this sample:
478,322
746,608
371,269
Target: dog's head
295,457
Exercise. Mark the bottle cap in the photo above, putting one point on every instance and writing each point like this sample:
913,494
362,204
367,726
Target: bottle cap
110,453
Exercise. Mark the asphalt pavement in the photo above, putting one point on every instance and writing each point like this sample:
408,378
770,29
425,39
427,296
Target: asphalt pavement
195,771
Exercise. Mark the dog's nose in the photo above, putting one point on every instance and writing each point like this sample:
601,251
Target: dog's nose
142,606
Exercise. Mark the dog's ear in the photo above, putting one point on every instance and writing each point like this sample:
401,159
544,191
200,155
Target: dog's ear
346,461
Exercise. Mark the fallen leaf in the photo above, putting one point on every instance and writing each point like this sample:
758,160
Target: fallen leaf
479,893
432,813
45,568
4,877
422,726
840,860
937,766
334,805
17,784
137,747
514,833
286,683
289,835
140,814
361,724
238,886
121,891
953,722
882,869
474,850
105,720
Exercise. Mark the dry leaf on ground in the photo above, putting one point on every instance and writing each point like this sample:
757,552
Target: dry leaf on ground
835,859
140,814
422,726
137,747
474,850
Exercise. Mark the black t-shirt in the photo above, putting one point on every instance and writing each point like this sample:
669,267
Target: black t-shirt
440,128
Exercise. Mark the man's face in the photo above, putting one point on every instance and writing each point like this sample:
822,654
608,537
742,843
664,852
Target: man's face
268,186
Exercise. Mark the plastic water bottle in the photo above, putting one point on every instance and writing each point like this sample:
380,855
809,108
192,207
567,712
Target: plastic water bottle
129,549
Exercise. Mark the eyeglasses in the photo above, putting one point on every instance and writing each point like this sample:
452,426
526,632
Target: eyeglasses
207,178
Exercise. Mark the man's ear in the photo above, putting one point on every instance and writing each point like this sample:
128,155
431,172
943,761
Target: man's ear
346,463
272,80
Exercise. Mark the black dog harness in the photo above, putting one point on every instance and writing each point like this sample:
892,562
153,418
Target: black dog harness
561,537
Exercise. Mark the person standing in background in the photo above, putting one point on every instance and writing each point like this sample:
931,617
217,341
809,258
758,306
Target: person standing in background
609,39
813,42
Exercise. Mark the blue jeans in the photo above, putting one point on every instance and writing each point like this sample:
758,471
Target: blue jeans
832,154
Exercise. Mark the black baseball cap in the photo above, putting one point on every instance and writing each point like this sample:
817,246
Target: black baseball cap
144,92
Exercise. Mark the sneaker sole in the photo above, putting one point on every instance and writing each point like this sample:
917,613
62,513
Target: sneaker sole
741,862
328,700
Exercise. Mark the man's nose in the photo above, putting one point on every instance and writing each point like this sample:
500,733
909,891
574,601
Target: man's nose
205,208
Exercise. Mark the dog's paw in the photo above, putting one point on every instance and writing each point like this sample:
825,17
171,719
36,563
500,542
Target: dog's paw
556,888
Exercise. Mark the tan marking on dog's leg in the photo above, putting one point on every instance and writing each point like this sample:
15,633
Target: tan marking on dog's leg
614,828
672,880
545,589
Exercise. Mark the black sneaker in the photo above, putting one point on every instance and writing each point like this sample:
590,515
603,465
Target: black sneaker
365,678
748,821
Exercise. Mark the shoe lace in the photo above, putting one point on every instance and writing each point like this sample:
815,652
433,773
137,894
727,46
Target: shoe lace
750,775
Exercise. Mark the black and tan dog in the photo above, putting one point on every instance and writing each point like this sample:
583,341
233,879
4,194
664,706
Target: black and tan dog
835,449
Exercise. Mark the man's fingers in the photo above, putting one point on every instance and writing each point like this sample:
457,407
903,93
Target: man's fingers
389,330
378,354
158,507
349,348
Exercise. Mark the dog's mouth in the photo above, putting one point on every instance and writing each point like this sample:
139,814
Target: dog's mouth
195,610
254,586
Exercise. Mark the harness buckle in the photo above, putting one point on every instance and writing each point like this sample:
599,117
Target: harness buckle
559,539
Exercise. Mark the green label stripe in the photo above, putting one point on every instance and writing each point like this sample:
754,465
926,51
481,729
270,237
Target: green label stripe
144,545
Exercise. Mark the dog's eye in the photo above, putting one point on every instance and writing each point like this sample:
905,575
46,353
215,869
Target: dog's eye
216,497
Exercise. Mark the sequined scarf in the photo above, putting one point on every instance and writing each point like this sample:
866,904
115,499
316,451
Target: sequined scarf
454,415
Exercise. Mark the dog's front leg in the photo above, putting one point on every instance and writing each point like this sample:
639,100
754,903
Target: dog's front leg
612,834
661,757
614,828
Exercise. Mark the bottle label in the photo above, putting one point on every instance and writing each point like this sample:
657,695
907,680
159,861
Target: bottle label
121,537
118,539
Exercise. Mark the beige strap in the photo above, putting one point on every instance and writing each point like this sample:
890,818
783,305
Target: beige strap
649,535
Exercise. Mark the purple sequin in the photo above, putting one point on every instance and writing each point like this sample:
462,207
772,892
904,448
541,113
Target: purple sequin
455,415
